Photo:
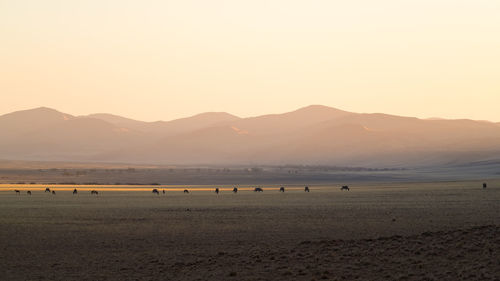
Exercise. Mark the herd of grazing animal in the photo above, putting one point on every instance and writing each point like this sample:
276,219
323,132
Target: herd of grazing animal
53,192
155,191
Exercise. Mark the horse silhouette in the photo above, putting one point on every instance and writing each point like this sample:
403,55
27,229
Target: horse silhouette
92,192
258,189
484,185
17,192
28,192
186,191
306,189
75,191
282,189
345,187
217,190
53,192
235,190
155,191
47,190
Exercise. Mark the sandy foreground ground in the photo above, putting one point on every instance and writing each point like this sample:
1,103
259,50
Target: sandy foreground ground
437,231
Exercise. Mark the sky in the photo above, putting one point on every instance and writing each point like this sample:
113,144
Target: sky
160,60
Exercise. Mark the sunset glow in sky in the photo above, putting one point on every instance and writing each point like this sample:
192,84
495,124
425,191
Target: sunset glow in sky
153,60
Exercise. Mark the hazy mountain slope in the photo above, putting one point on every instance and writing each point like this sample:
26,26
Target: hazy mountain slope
344,139
32,119
289,122
240,140
310,135
46,134
168,128
196,122
119,121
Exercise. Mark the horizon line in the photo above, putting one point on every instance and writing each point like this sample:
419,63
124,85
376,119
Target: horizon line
432,118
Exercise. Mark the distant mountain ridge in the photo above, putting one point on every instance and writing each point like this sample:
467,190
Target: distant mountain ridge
167,128
314,135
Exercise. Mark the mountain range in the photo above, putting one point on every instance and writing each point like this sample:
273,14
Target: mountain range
313,135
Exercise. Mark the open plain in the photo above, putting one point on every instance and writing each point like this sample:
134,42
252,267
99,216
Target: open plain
375,231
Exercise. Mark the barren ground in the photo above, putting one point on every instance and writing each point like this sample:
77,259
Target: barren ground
433,231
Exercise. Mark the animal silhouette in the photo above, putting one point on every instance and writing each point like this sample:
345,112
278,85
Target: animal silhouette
28,192
484,185
17,192
47,190
164,191
345,187
282,189
258,189
75,191
155,191
235,190
306,189
92,192
53,192
217,190
186,191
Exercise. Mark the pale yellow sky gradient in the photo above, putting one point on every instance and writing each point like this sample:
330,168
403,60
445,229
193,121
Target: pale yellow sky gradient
153,60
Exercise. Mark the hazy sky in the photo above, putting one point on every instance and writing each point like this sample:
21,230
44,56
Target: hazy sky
154,60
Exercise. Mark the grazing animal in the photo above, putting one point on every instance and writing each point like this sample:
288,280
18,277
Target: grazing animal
92,192
235,190
217,190
282,189
164,191
484,185
17,192
155,191
345,187
306,189
258,189
29,192
75,191
47,189
53,192
186,191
